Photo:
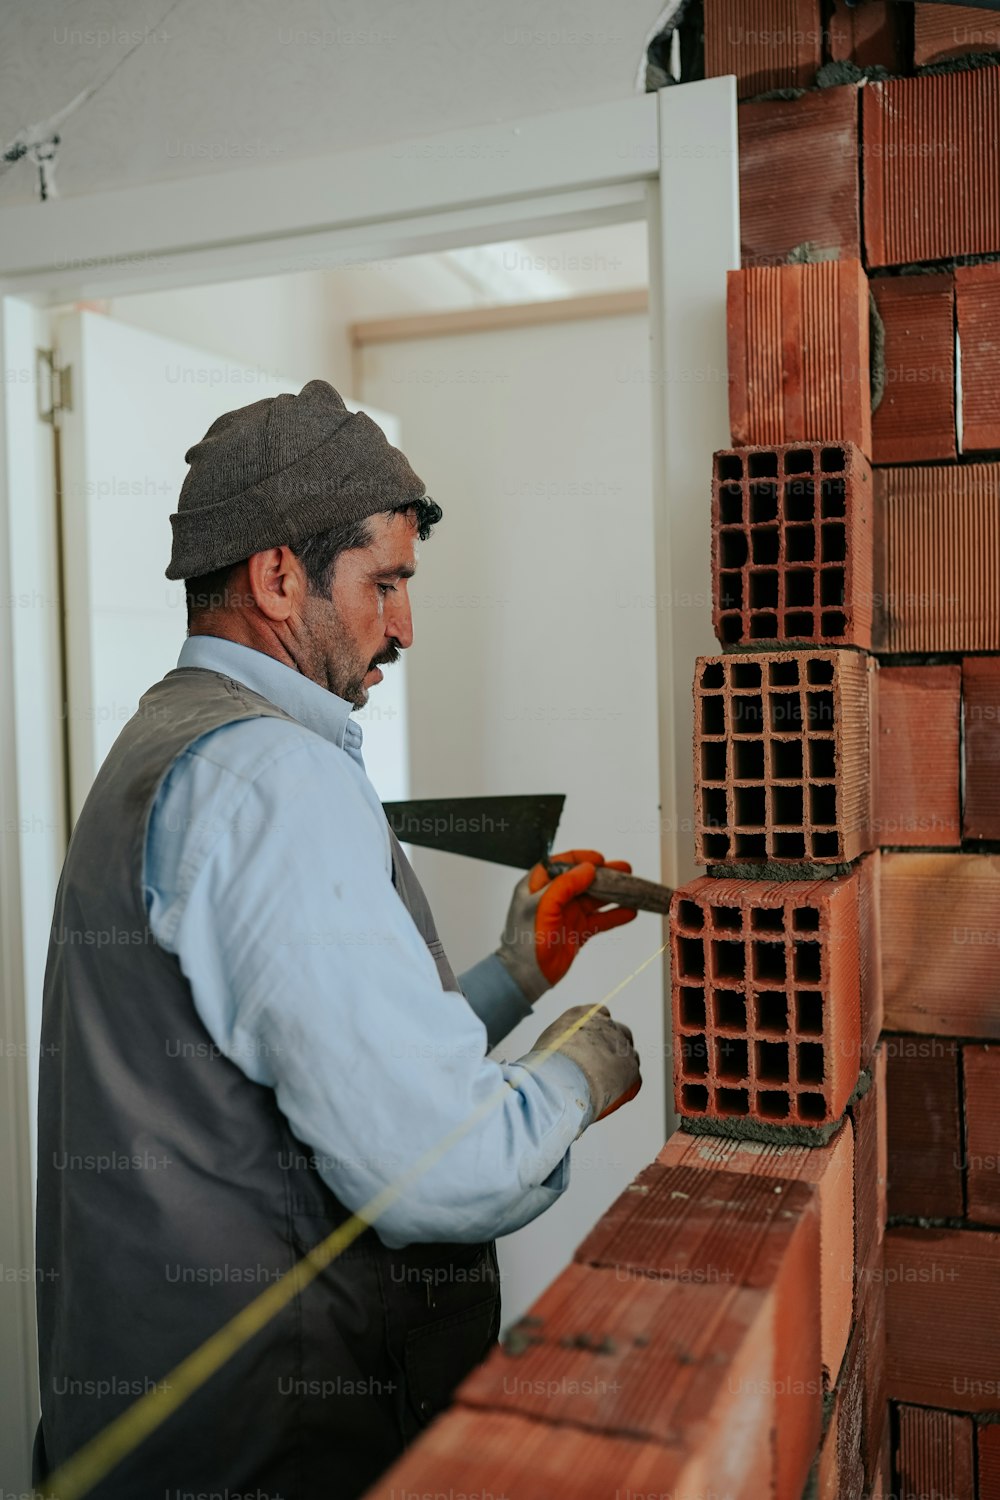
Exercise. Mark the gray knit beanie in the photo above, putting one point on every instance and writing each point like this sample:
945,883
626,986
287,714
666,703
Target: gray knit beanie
272,473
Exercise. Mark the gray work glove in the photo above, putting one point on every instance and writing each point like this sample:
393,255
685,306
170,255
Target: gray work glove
603,1051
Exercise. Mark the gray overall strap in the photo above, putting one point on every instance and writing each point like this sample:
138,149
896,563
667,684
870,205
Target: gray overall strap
416,903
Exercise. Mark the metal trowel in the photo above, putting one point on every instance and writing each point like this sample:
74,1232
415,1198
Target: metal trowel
517,831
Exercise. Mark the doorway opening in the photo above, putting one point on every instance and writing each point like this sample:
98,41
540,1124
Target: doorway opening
516,378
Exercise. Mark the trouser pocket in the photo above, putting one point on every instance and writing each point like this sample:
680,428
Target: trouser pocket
439,1355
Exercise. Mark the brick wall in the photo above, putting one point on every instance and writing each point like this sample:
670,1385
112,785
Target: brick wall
801,1296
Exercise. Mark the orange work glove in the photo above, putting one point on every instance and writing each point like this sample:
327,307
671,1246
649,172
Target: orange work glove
550,920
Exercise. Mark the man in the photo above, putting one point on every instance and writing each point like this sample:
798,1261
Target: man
250,1026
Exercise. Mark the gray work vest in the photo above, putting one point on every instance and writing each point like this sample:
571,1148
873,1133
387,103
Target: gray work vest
171,1191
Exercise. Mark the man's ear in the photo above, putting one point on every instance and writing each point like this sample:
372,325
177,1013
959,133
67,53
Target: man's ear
277,582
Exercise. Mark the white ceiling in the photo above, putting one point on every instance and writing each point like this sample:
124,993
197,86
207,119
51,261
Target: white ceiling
221,84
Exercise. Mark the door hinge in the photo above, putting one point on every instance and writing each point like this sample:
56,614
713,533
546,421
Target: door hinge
55,386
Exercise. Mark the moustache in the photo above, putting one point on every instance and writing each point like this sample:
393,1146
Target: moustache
386,658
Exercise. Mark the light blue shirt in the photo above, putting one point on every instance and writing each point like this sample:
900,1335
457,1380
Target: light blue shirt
268,872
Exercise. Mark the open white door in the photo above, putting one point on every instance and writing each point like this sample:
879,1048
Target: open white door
139,402
31,846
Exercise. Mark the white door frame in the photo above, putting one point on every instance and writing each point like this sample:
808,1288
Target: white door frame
669,158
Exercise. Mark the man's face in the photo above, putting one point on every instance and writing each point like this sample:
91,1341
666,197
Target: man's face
366,622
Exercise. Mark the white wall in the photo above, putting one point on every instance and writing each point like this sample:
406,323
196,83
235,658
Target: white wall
533,668
283,326
299,324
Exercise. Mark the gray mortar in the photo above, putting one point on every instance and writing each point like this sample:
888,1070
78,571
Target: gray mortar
735,1128
864,1083
829,1401
928,659
919,1221
966,64
771,96
808,254
833,75
518,1340
876,356
778,872
793,648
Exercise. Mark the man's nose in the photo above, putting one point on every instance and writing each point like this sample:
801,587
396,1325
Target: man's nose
399,621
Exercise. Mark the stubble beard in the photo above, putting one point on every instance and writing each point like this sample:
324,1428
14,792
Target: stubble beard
334,659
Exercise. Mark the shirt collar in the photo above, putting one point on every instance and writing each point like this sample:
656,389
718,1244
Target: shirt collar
286,688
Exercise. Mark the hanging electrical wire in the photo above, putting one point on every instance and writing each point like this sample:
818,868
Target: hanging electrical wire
41,142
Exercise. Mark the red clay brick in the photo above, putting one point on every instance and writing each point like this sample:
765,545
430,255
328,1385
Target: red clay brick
798,354
767,44
703,1225
831,1168
915,419
799,177
919,713
934,1455
869,35
767,998
940,940
879,1487
942,31
925,1131
882,1485
792,545
977,292
497,1454
981,1070
666,1361
782,757
942,1308
988,1446
981,725
931,167
868,1115
937,558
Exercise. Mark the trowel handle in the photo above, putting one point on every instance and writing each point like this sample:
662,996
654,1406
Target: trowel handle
622,889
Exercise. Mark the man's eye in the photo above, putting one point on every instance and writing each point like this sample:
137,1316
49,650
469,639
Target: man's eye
386,588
